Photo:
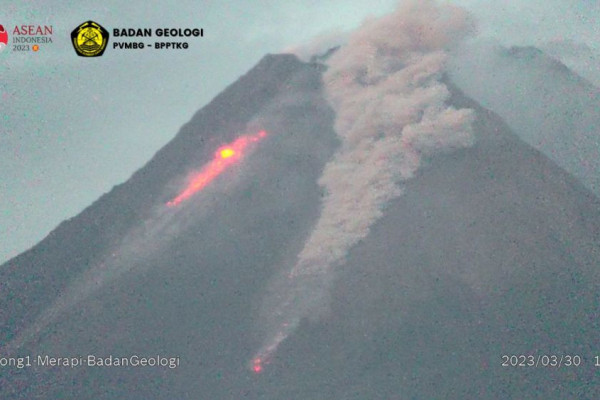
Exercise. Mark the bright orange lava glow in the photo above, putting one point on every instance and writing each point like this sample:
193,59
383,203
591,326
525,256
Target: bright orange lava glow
226,153
224,157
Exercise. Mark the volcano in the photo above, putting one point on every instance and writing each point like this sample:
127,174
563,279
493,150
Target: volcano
490,253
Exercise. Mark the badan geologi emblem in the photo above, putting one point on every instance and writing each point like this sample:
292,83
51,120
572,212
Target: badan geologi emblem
89,39
3,38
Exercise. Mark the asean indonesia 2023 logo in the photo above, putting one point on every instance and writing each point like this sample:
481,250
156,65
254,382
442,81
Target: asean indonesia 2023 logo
89,39
3,38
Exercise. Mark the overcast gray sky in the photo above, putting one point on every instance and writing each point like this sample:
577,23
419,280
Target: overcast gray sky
71,128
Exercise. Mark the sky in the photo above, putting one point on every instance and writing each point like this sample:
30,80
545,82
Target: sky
71,128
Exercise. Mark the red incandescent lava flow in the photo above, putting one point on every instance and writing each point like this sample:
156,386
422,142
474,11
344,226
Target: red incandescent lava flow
225,156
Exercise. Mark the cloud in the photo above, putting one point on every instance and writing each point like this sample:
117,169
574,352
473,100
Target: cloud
319,45
391,114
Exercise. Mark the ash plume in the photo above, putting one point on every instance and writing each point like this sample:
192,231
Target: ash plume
391,114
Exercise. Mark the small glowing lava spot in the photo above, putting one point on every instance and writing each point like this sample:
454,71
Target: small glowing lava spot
257,366
227,152
35,47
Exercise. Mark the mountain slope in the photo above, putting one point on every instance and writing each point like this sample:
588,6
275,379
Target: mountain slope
491,250
548,105
38,274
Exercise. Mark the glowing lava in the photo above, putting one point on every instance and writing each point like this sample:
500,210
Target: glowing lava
224,157
257,366
226,153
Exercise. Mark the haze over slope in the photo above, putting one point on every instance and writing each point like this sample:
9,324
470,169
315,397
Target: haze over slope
491,250
548,106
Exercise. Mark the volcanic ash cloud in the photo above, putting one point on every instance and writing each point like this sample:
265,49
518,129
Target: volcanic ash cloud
391,114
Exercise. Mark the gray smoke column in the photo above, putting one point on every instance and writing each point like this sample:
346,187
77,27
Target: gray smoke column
391,114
